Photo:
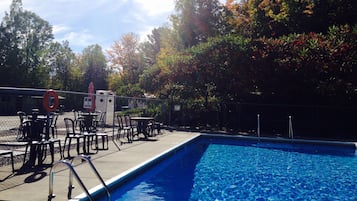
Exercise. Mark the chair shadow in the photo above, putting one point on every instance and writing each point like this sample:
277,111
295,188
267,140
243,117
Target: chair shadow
7,177
38,172
149,139
36,176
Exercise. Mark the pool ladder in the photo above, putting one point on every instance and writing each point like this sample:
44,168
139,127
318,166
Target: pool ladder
72,173
290,127
258,126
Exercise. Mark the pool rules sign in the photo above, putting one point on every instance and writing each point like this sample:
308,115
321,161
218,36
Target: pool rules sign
87,102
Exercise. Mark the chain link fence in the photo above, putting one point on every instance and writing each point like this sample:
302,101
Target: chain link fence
308,121
19,103
13,100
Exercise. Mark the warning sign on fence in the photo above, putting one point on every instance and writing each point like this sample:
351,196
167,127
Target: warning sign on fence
87,102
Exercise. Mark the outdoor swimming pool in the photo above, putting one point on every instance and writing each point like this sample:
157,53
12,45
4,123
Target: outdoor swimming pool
225,169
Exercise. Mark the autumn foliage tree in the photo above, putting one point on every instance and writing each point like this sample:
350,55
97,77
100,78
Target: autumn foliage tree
126,60
210,58
276,18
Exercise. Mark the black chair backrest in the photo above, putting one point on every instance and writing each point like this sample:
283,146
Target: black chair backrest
76,114
69,123
33,129
21,115
101,117
120,121
54,119
127,120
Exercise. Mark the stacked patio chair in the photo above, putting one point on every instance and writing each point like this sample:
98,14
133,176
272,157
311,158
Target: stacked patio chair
124,128
132,127
100,121
77,118
38,143
72,134
21,134
53,125
100,134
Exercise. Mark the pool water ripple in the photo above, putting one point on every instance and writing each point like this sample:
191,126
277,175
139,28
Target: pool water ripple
253,173
230,170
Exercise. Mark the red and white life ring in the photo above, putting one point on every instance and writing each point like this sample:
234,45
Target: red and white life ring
46,101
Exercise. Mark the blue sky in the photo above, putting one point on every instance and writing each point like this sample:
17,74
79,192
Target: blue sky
87,22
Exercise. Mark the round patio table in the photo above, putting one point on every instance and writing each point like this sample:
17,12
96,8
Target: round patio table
142,124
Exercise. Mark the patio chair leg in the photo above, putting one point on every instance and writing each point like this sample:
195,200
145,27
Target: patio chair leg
69,148
26,148
52,150
60,148
12,161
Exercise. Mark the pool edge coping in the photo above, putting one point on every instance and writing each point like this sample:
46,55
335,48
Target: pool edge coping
280,139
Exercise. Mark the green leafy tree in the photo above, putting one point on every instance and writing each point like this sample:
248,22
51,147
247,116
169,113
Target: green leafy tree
93,64
151,48
11,71
218,68
158,52
60,58
25,36
198,20
76,78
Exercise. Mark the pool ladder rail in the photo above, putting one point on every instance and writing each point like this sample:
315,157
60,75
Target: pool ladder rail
72,173
290,127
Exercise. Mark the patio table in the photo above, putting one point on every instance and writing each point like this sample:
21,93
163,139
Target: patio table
142,124
88,121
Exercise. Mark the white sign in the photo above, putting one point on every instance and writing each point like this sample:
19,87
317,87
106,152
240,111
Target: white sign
177,108
87,103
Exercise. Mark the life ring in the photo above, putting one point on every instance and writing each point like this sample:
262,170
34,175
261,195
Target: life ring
47,98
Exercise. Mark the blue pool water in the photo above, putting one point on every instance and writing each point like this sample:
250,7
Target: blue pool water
221,169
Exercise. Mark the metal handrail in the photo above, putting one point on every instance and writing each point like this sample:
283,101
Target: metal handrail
87,158
51,195
258,125
291,133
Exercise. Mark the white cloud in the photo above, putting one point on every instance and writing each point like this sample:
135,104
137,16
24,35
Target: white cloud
147,30
156,7
83,22
151,11
82,38
57,29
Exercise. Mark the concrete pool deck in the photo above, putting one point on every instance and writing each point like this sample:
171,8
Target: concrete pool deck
33,185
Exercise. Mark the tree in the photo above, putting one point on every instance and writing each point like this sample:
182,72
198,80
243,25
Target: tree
219,68
27,36
93,63
269,18
198,20
60,59
161,50
125,56
157,40
238,17
10,62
